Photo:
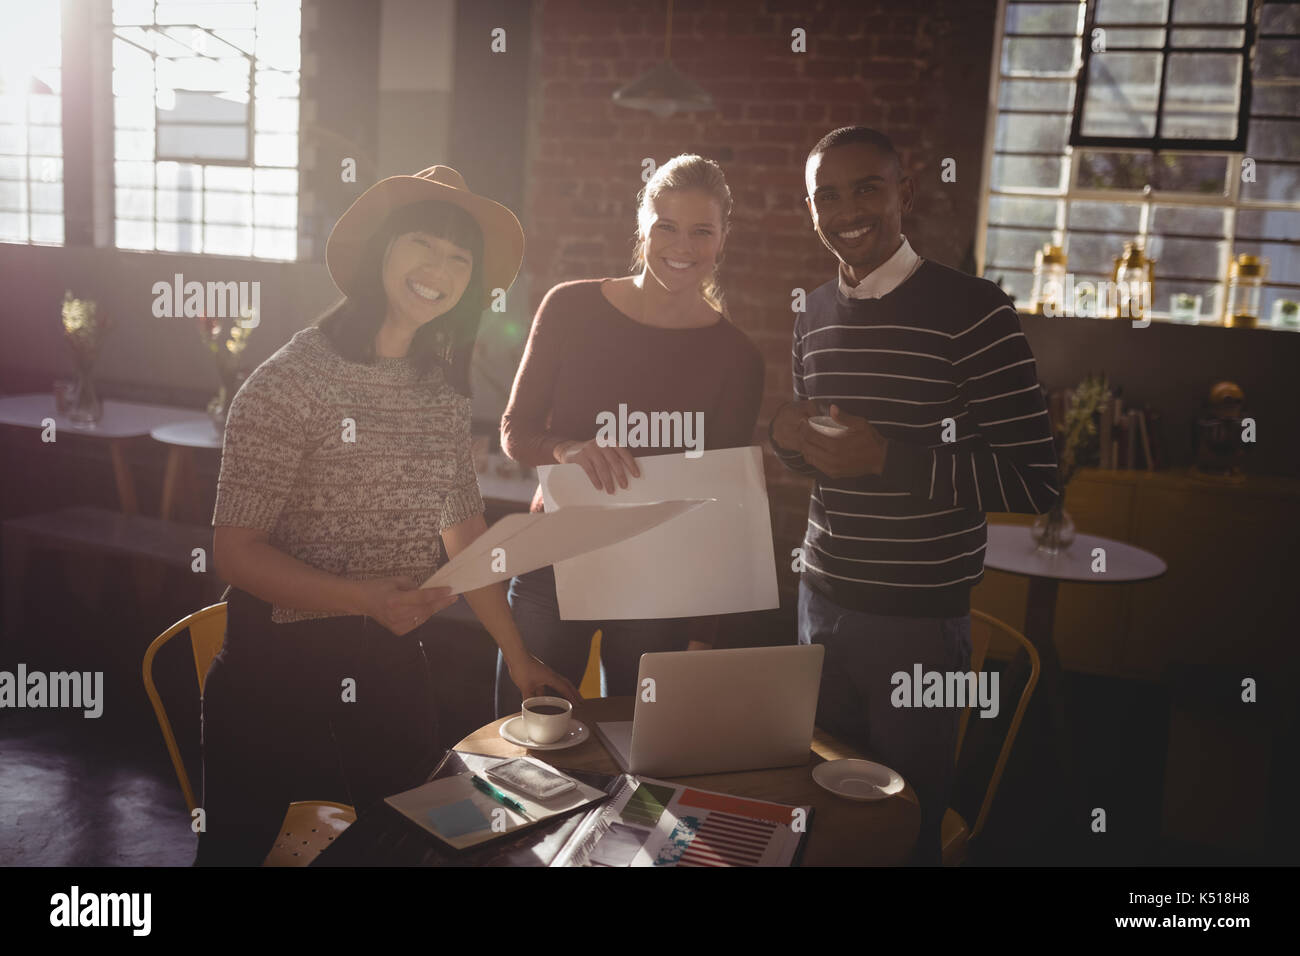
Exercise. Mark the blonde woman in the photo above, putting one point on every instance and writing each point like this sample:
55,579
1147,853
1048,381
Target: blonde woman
345,477
655,341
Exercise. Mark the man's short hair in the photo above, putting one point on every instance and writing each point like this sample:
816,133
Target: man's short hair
848,135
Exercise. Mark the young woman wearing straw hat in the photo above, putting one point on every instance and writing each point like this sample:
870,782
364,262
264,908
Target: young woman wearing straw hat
346,474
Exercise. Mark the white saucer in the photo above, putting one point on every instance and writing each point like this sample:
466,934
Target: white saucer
513,731
858,779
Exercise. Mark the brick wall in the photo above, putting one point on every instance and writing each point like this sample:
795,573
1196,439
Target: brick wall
918,71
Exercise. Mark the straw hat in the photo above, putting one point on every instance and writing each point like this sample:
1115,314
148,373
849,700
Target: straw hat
503,237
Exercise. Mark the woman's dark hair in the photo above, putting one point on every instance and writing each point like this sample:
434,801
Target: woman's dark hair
447,341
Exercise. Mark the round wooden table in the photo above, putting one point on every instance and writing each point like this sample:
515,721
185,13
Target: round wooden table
182,438
842,832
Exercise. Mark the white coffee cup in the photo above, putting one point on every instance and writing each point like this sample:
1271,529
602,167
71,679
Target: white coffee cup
543,728
827,425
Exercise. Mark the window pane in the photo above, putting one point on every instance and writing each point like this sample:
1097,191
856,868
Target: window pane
234,208
180,175
1268,224
236,179
180,236
1122,92
1132,11
1274,140
175,204
47,228
204,142
275,210
1277,59
1279,18
1108,216
135,203
275,243
1027,172
1191,258
1118,38
1106,170
191,107
1189,220
1032,134
1014,94
228,240
1042,18
1095,254
1274,100
1204,38
1202,96
1029,55
1013,211
1273,182
1015,247
1189,173
1210,11
134,233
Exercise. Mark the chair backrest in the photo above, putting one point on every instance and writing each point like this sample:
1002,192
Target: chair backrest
207,630
983,626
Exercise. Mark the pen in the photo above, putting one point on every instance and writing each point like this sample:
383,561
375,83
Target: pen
497,795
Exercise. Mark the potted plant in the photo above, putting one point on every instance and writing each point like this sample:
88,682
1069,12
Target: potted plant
226,340
84,331
1075,440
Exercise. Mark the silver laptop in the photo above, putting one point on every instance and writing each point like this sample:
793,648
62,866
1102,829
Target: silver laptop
716,711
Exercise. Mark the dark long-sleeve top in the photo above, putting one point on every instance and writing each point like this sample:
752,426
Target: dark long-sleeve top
943,348
585,357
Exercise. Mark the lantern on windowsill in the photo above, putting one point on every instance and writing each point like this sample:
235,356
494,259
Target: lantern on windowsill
1245,288
1135,283
1048,294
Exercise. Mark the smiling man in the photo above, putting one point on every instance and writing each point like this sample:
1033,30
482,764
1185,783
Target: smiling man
938,417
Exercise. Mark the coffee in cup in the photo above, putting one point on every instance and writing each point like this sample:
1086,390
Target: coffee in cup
547,719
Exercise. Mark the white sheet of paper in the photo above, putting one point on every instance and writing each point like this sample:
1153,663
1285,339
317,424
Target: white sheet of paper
532,541
719,560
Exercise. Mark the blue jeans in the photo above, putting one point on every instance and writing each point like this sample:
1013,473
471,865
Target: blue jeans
565,645
862,652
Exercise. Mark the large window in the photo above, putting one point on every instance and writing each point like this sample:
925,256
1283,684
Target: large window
1194,208
31,137
206,99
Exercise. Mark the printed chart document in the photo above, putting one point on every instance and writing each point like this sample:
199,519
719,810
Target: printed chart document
531,541
716,560
653,823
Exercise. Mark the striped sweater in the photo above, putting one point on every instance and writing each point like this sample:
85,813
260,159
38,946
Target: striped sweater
942,345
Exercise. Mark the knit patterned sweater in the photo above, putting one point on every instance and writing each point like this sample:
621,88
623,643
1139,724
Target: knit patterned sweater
368,508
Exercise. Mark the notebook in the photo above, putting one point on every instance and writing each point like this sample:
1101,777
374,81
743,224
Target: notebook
452,809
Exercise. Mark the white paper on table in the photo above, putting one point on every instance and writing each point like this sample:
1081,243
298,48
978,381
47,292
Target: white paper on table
718,560
532,541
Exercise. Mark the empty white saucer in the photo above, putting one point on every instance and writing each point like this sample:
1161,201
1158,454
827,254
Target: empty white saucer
513,731
858,779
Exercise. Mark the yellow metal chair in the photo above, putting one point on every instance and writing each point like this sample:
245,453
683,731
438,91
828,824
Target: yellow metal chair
309,825
955,835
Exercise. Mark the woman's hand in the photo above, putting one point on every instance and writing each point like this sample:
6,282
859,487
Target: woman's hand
605,465
400,604
532,677
698,646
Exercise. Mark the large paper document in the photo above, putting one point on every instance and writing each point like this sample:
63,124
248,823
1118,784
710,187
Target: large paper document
520,543
716,560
